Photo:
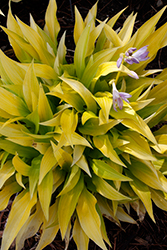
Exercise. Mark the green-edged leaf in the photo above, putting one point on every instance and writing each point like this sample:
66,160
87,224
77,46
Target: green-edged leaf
31,89
103,143
81,50
36,41
92,127
109,67
83,92
12,104
82,163
14,72
137,145
105,171
146,173
147,28
44,109
19,214
12,148
89,218
112,36
72,180
106,190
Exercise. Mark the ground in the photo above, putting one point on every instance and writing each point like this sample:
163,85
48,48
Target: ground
146,235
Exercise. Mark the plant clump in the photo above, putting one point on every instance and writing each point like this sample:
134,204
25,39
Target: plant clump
75,139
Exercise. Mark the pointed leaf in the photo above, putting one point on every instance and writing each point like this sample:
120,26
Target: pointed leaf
19,214
103,143
89,218
106,190
105,171
69,200
45,193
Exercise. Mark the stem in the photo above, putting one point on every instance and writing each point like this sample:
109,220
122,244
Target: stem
118,74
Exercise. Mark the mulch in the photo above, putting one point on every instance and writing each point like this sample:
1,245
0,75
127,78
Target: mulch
146,235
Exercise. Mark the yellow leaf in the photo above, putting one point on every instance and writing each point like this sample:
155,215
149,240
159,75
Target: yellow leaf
143,193
105,171
106,210
31,88
7,192
81,50
109,67
47,163
79,236
41,70
146,174
44,109
127,29
82,163
23,50
159,199
63,158
14,72
19,180
72,180
106,190
12,104
52,26
36,41
140,126
83,92
89,218
112,36
19,214
45,193
30,228
6,172
103,143
147,28
69,200
137,145
21,166
123,216
79,25
92,127
68,122
49,228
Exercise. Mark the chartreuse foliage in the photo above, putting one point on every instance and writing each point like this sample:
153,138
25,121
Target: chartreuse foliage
73,150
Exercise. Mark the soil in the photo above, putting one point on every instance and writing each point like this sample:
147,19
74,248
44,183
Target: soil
146,235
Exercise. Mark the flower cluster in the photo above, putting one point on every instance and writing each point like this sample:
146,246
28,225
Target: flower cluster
131,56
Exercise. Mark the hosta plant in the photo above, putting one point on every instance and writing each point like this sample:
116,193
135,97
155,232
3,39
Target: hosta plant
76,139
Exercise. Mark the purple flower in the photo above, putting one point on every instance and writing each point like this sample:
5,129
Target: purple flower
133,55
119,61
118,97
137,56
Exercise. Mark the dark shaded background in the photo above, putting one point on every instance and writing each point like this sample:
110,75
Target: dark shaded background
146,235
